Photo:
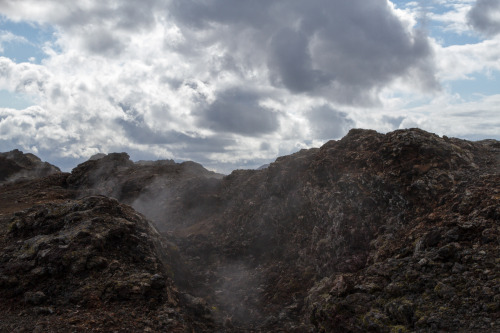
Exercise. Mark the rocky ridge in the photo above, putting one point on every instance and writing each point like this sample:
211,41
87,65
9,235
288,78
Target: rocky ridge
347,225
384,233
138,184
15,165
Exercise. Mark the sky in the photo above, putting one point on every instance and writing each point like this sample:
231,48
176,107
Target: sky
235,84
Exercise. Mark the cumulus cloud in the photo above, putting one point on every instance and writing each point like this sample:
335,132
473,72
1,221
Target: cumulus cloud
237,111
342,51
126,14
461,61
24,77
290,62
197,79
327,123
485,16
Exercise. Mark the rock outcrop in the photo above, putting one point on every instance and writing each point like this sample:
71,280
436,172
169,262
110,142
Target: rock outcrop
87,264
327,239
16,165
383,233
146,185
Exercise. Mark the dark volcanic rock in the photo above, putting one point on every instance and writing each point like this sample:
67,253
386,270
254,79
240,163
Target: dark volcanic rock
146,185
382,233
16,165
92,253
372,231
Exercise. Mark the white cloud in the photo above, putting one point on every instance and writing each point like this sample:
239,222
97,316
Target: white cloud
460,61
473,120
454,17
24,77
9,37
219,80
447,114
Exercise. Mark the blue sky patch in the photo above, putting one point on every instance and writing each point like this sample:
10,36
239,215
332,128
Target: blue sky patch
32,48
478,86
14,100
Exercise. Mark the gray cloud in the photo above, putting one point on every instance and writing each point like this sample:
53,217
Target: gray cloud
139,132
327,123
101,25
362,46
201,14
206,80
485,16
393,121
345,51
238,111
104,42
133,15
126,14
265,146
290,62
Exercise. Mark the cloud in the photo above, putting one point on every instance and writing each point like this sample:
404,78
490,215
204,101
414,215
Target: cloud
103,42
342,51
290,62
394,122
214,80
485,16
238,111
203,14
446,115
32,127
125,15
460,61
9,37
137,131
452,15
98,27
327,123
23,78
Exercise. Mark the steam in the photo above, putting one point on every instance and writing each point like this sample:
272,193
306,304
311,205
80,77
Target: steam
186,202
15,165
37,172
100,175
154,202
238,292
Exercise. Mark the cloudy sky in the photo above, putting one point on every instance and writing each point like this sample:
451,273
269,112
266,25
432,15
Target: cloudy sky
234,84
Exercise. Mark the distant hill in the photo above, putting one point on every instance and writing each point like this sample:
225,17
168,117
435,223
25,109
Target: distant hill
16,165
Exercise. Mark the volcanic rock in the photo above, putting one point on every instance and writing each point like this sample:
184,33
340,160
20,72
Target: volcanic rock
16,165
148,186
388,215
95,255
395,232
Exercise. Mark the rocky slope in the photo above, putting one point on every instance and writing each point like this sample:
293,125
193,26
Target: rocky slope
384,233
354,236
73,263
89,264
138,184
15,165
